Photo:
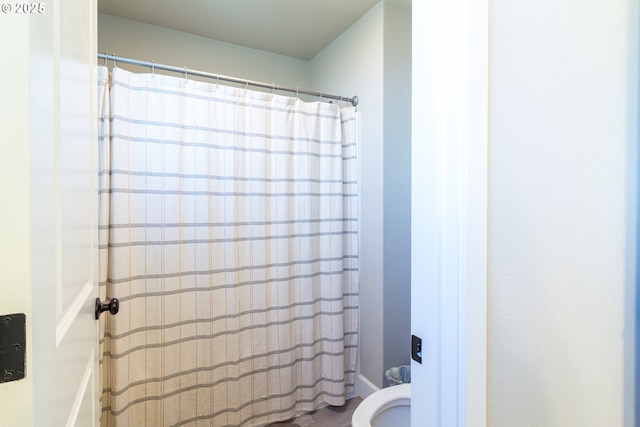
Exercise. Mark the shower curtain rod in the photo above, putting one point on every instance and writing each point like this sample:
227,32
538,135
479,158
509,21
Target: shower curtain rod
354,100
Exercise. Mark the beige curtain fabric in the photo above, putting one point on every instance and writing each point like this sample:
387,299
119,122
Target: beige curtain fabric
229,232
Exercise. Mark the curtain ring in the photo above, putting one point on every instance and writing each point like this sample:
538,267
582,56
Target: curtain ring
186,77
297,91
115,63
246,84
217,80
273,87
153,68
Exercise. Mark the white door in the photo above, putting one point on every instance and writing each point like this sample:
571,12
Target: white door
55,279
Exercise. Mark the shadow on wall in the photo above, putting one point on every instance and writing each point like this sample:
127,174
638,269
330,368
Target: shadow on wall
632,292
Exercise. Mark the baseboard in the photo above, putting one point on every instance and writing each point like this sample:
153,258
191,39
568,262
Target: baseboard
366,387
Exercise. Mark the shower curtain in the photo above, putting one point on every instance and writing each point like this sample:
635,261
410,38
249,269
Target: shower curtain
229,232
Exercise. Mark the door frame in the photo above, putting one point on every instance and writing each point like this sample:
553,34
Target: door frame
450,56
15,250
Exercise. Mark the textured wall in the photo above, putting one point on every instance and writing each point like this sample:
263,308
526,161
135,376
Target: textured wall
561,212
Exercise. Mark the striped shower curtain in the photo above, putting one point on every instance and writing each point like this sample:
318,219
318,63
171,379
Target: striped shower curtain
229,232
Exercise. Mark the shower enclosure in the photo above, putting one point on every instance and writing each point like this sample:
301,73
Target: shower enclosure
229,234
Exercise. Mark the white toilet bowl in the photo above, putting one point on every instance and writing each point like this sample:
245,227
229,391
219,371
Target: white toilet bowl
389,407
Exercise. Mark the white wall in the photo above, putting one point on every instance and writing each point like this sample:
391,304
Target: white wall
353,64
562,185
137,40
372,59
397,186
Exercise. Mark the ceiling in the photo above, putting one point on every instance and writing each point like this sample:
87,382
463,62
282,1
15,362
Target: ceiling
295,28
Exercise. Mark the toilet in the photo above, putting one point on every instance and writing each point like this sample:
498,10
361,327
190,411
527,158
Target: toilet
388,407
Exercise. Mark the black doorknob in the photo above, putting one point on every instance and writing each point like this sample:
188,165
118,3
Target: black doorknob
112,306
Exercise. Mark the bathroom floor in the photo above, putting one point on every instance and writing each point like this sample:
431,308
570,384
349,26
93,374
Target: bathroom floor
330,416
